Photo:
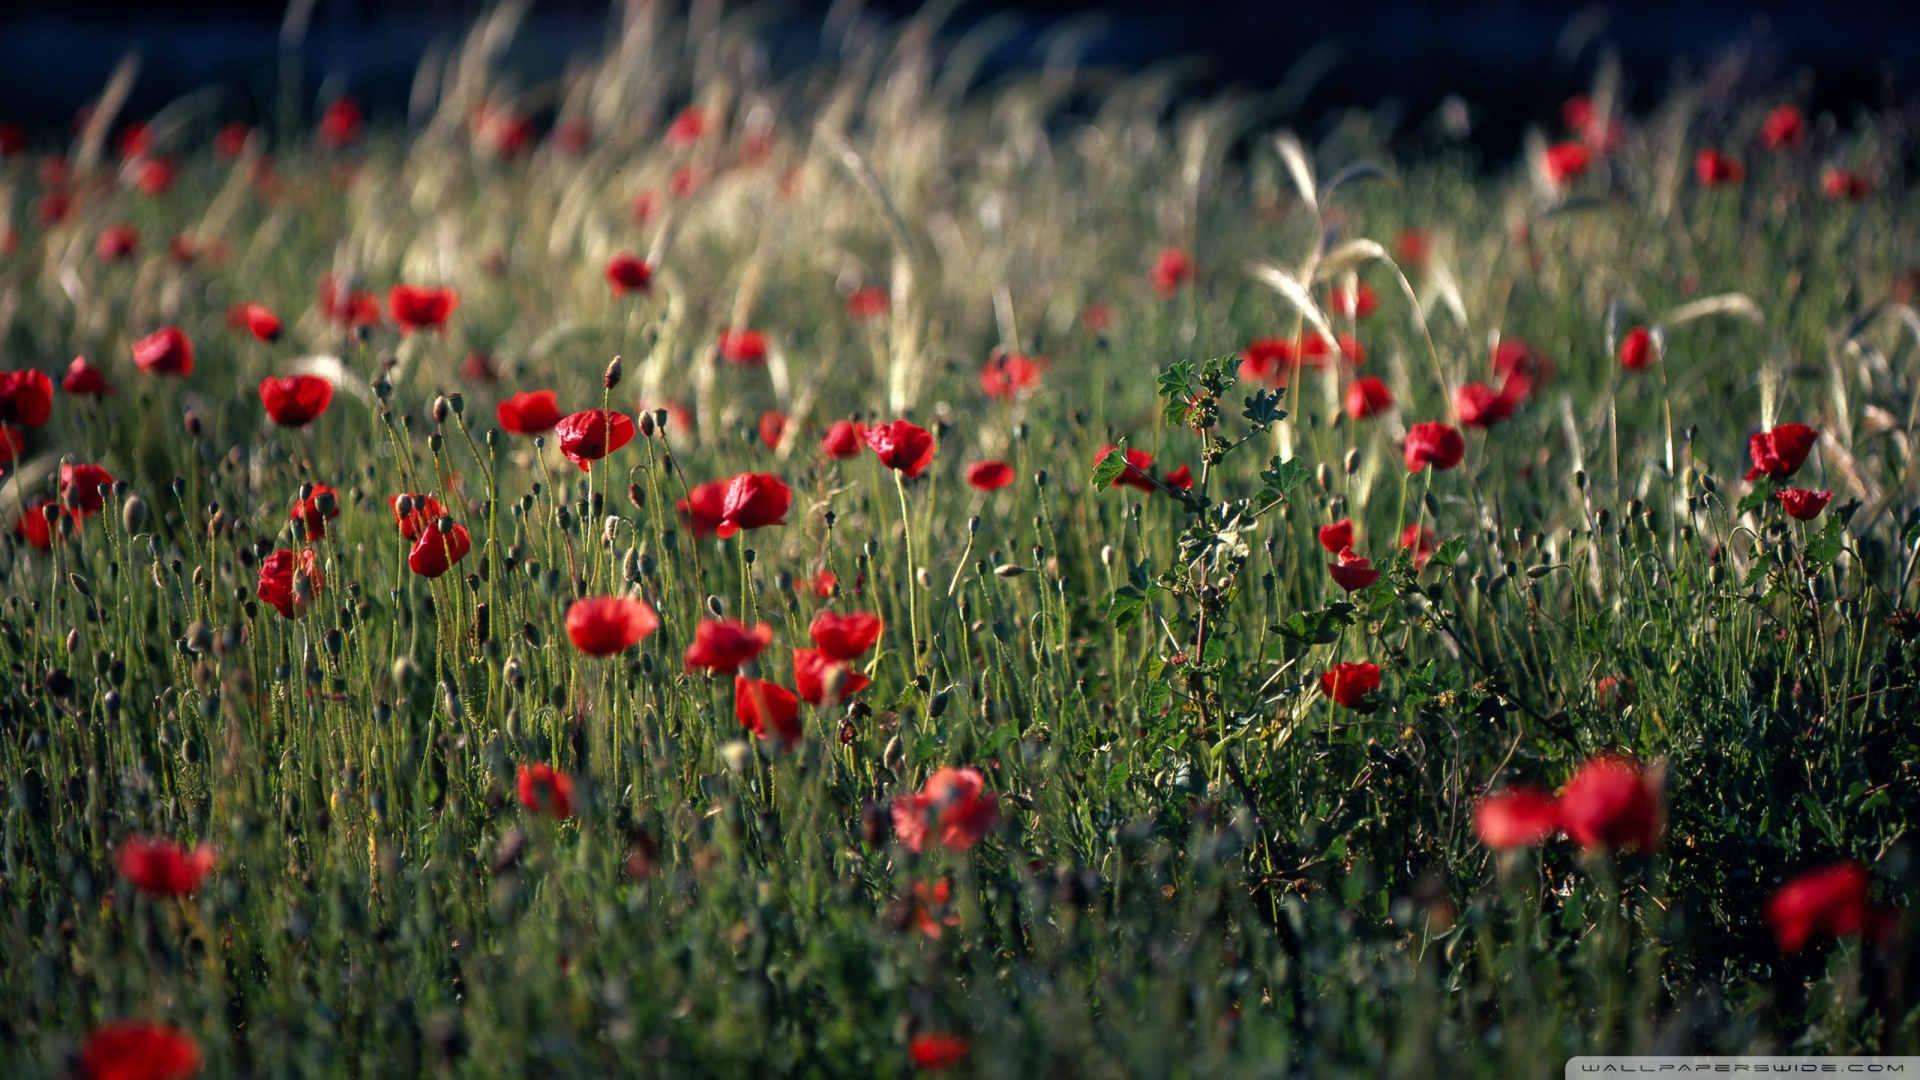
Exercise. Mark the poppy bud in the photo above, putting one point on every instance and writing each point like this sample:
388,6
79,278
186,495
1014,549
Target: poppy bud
646,425
133,514
1106,555
1040,479
660,418
1352,462
193,423
715,607
434,442
456,403
1580,479
973,525
441,409
614,370
1324,476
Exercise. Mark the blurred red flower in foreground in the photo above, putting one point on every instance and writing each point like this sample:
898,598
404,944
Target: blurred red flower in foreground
773,428
1845,184
116,242
435,552
586,437
823,680
345,306
867,302
1358,305
1784,129
1337,535
767,709
1516,818
1636,349
1566,162
277,587
605,625
845,637
1433,443
231,139
1135,475
686,128
1613,804
1413,247
1351,571
1481,405
1349,684
1009,374
745,347
544,789
138,1050
626,273
1172,268
953,809
937,1051
26,397
262,323
295,400
903,446
1367,396
1715,169
724,644
80,488
844,439
989,475
1833,901
82,378
1417,539
33,526
159,867
417,307
533,412
418,514
341,123
1801,504
1779,452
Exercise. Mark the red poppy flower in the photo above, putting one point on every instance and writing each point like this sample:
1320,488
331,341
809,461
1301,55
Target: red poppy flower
532,412
1097,317
822,584
159,867
845,637
417,521
1614,692
1010,374
1520,366
1367,396
1337,536
902,446
295,400
1801,504
703,507
586,437
605,625
929,899
868,302
434,553
989,475
82,378
686,128
1172,268
154,176
723,644
478,367
276,586
1180,479
1351,571
261,322
745,347
937,1051
1267,360
1482,406
1351,348
80,488
347,307
544,789
773,427
231,139
1135,475
138,1050
166,351
1413,247
953,809
1779,452
117,242
1636,349
33,526
645,205
1433,443
823,681
1784,129
13,443
767,709
319,507
752,501
1349,684
1517,817
1833,901
53,207
1715,169
416,307
626,273
1845,184
1417,539
1360,304
1612,803
13,139
341,123
26,397
844,439
1566,162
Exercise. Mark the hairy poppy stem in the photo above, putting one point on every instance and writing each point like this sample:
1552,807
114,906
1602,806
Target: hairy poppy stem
913,603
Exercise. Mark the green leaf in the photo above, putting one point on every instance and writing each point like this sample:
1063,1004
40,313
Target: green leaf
1281,477
1109,468
1125,606
1172,383
1318,627
1262,407
1826,547
1756,498
1450,551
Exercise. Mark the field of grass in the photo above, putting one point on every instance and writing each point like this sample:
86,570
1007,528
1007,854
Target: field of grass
1099,799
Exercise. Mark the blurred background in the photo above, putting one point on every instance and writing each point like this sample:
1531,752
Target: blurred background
1508,63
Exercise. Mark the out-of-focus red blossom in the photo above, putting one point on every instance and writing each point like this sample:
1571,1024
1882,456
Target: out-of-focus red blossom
1419,540
85,379
1481,405
902,445
645,205
686,128
821,584
53,207
1614,692
767,709
823,681
417,307
117,242
1846,184
1349,684
295,400
80,488
153,176
135,140
1367,396
1010,374
605,625
1351,571
530,412
573,136
844,439
544,789
1351,348
1613,804
1715,169
1832,901
502,131
1413,247
725,644
954,809
1180,479
1336,536
773,428
1521,367
989,475
627,272
478,367
262,323
32,524
845,637
928,899
745,347
345,306
231,140
586,437
310,513
1581,118
138,1050
13,139
13,443
1358,305
159,867
1779,452
868,302
416,522
1097,317
752,501
1566,162
1784,129
26,397
701,509
1172,268
1433,443
1801,504
341,123
937,1051
276,585
1138,470
1636,349
1517,817
434,553
684,182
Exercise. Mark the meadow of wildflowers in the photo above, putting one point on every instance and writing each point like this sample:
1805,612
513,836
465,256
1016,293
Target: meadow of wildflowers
703,567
